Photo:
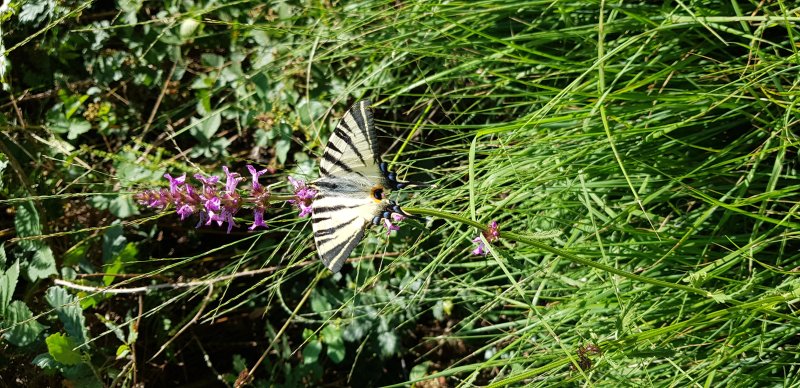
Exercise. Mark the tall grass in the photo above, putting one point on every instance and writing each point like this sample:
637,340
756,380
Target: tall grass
654,146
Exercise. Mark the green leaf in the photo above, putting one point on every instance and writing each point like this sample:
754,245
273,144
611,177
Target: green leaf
44,361
212,60
282,148
388,343
336,351
122,351
127,255
187,28
113,241
62,348
27,224
69,312
77,127
419,371
20,327
332,336
261,82
43,263
8,282
311,352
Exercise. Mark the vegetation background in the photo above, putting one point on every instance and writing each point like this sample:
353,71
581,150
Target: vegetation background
655,142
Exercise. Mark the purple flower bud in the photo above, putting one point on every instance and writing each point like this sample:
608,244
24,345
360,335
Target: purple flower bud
212,204
258,219
491,235
389,226
232,180
207,181
305,210
256,174
303,196
185,211
175,183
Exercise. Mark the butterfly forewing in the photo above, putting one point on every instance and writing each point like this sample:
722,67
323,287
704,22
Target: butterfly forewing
344,203
353,146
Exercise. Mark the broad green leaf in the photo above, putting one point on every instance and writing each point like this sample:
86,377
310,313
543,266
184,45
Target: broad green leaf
282,148
44,361
388,342
188,27
42,264
311,352
117,265
20,327
77,127
62,348
419,371
212,60
310,111
261,82
69,312
27,224
8,282
332,336
113,241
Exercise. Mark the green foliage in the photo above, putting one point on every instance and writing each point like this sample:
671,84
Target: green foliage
62,348
19,326
641,160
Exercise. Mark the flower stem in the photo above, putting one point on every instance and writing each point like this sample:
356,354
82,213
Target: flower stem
280,198
569,256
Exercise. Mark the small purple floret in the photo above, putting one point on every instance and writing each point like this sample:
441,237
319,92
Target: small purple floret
491,235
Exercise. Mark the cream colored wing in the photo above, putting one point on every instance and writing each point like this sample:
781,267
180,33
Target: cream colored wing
340,213
353,146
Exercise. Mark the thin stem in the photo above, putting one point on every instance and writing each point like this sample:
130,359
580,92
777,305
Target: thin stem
569,256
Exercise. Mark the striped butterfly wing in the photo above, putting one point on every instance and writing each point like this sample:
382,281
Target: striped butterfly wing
353,146
341,211
344,204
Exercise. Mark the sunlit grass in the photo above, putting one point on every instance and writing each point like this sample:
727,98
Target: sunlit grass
653,145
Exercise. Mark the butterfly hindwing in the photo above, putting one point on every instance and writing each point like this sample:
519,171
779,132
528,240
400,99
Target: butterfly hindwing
338,220
353,146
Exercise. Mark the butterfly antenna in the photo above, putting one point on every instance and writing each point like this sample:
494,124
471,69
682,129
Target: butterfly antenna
395,184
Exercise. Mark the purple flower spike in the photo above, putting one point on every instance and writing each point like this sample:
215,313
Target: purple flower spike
491,235
185,211
305,210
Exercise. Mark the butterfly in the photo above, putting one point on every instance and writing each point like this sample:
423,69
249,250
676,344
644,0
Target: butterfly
352,188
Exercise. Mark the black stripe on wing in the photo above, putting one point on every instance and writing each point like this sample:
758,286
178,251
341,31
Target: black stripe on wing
341,130
352,145
335,257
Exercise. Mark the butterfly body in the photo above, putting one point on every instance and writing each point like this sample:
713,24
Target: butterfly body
351,190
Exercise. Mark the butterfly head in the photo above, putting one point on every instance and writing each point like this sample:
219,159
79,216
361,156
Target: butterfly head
378,194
